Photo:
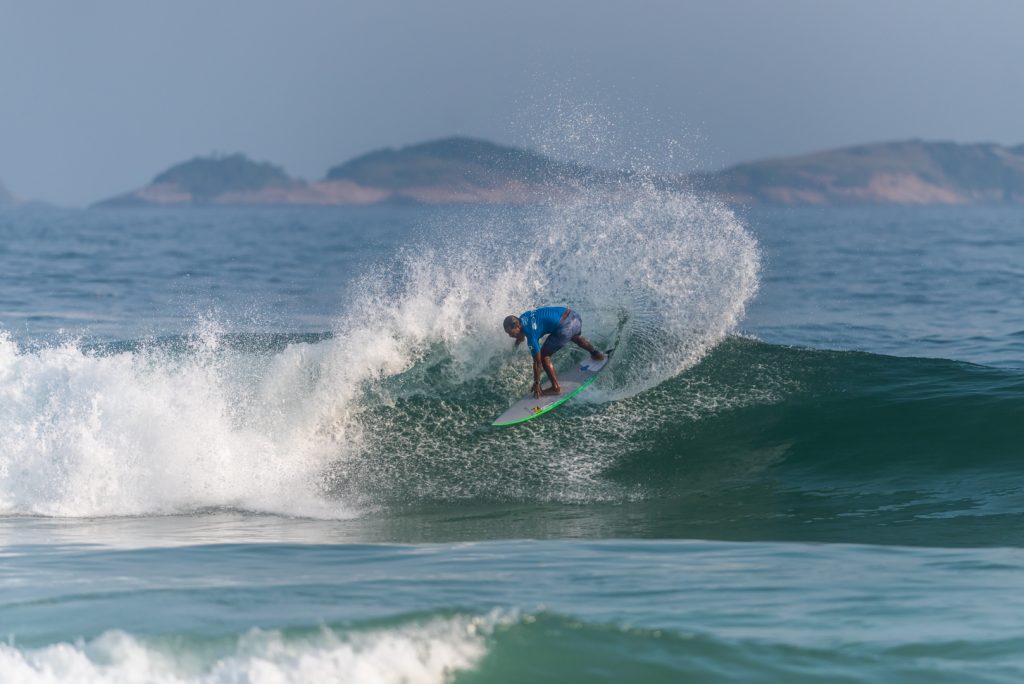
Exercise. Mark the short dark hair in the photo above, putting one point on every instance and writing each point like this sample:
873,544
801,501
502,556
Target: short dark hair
510,322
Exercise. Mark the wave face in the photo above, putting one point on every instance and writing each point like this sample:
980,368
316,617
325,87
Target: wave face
757,441
770,442
403,388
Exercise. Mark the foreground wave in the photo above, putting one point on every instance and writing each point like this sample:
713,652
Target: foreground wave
466,649
513,611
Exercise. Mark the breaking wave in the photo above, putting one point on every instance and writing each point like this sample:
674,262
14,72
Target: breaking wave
403,387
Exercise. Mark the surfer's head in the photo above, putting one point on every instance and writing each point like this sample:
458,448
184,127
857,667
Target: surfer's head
513,326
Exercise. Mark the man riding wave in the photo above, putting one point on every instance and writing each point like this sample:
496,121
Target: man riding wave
561,325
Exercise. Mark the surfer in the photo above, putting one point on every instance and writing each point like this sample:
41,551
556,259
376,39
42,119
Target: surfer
561,325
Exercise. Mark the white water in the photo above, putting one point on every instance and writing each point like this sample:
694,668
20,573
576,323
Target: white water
428,652
147,432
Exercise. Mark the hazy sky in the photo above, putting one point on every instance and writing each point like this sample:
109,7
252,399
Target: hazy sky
98,96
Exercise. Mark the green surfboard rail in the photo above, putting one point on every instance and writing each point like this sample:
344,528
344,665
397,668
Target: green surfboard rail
547,408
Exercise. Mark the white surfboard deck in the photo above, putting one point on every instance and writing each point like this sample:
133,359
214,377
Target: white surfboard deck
572,381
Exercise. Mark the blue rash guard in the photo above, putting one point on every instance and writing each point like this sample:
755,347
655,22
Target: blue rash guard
539,322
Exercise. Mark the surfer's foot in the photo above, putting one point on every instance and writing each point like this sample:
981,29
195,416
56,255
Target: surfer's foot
552,391
597,356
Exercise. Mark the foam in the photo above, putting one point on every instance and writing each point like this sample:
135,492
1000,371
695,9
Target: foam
147,432
428,652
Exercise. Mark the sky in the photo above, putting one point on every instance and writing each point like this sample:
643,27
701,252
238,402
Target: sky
99,96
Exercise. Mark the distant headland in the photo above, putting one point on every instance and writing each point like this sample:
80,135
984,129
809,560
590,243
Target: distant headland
448,171
910,172
468,171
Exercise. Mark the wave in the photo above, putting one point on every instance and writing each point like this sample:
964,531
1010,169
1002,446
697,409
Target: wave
841,413
402,387
816,434
419,651
499,646
755,441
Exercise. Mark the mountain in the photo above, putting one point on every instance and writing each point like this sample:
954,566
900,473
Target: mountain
908,172
458,170
231,179
466,170
449,171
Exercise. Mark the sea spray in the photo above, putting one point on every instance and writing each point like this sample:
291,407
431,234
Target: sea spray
394,404
663,275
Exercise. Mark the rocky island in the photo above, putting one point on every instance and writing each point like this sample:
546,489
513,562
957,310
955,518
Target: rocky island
910,172
469,171
232,179
448,171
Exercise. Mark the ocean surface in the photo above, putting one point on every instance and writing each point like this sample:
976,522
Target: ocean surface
254,445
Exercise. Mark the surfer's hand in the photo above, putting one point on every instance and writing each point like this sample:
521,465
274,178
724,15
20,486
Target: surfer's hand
536,390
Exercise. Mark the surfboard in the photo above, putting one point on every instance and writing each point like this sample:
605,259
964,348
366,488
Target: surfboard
572,381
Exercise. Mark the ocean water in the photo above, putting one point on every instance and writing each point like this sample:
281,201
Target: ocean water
254,445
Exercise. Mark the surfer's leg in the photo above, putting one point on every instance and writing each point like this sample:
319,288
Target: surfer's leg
574,331
581,341
553,343
549,368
